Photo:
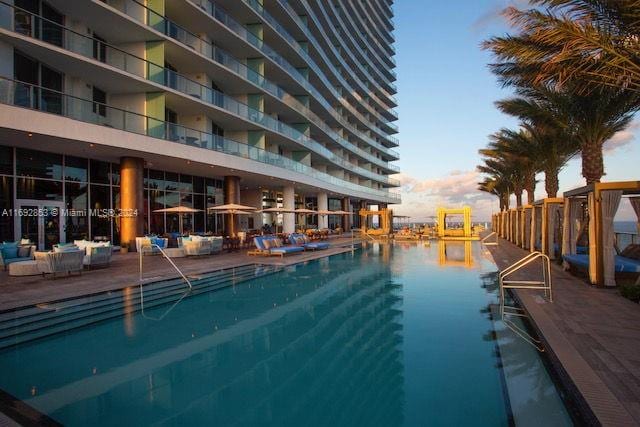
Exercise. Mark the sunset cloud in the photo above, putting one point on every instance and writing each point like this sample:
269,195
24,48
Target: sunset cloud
421,198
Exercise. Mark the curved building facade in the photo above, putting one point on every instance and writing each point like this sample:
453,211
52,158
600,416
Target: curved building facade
118,108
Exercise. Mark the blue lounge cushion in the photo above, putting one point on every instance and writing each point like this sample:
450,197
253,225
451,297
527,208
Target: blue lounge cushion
258,241
317,245
579,260
622,264
9,251
18,259
287,249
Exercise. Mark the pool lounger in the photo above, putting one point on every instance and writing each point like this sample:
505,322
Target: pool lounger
313,246
622,264
261,249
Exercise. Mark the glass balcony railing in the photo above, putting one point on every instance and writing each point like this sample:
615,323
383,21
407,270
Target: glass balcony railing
221,15
146,16
34,97
294,15
255,5
96,49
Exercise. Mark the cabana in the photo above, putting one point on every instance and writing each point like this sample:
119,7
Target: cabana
525,226
464,233
545,226
602,200
513,225
385,222
503,224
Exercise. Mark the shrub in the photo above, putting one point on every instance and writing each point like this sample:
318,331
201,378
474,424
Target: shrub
631,292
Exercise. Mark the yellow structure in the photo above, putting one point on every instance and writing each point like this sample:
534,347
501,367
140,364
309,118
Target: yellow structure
455,254
464,233
385,222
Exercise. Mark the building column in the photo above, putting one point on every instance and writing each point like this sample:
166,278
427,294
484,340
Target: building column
131,200
364,219
289,202
323,205
231,191
346,219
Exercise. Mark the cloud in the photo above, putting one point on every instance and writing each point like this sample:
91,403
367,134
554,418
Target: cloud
621,138
421,198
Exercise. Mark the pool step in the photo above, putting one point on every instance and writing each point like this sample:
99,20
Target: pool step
68,315
70,306
39,310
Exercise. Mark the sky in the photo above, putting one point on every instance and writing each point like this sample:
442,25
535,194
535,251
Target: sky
446,96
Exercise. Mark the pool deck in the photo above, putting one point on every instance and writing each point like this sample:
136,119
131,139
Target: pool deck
592,336
124,272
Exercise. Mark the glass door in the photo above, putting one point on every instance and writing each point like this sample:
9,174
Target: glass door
40,222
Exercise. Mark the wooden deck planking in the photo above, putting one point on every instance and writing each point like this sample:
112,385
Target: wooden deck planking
593,333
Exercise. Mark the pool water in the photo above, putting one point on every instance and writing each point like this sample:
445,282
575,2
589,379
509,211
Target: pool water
389,335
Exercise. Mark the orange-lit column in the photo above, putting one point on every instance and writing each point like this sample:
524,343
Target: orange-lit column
131,200
231,191
346,219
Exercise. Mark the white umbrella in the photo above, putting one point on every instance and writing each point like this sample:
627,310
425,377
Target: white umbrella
178,210
231,207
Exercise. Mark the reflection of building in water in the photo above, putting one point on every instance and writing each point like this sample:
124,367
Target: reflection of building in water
455,253
128,308
343,349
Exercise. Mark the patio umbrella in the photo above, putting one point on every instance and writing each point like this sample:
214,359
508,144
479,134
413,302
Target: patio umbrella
178,210
233,209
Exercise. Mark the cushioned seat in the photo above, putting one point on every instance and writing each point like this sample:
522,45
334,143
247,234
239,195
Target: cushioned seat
622,264
303,241
286,249
271,245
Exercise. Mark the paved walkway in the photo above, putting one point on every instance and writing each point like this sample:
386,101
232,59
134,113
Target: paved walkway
124,272
593,333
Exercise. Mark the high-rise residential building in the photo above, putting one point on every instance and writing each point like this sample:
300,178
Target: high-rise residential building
113,109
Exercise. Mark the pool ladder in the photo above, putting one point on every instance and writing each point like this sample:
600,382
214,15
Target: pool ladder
144,248
506,312
485,239
544,284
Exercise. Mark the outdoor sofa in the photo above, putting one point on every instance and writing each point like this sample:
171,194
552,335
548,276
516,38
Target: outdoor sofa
62,259
11,252
200,245
96,253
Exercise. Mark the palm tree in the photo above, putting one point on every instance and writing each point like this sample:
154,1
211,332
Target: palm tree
586,119
518,148
594,43
498,163
498,187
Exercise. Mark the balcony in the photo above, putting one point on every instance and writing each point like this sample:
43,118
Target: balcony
34,97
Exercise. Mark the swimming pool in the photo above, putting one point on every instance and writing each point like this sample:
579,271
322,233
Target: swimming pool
390,335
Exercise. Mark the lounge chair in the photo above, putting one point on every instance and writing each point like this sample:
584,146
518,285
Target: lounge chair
302,240
271,245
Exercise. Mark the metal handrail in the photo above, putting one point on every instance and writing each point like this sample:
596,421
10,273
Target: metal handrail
485,238
544,284
164,254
